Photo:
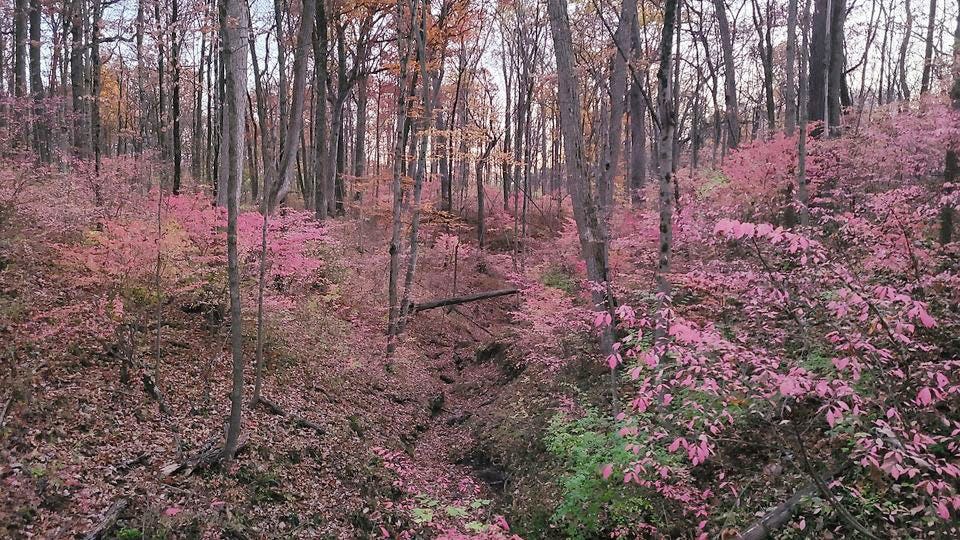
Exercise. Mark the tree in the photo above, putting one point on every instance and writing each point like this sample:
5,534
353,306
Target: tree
729,75
951,168
593,246
667,118
233,37
826,66
790,90
233,60
928,48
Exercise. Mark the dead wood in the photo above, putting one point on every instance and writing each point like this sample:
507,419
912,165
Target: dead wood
109,519
296,420
209,454
456,300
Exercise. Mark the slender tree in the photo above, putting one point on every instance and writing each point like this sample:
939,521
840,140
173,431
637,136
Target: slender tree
729,75
233,31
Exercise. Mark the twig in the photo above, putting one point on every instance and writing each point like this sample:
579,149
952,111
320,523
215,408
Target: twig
109,519
3,413
825,490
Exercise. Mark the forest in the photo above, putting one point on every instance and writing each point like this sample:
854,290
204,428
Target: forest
480,269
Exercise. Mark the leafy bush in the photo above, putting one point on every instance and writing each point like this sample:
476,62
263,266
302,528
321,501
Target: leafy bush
592,504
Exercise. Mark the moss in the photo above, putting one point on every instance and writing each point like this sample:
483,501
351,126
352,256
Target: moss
559,278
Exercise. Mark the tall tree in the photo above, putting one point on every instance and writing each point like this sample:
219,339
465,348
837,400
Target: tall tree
40,132
790,90
638,118
729,75
589,224
826,63
951,168
667,116
20,47
928,48
233,31
233,59
175,99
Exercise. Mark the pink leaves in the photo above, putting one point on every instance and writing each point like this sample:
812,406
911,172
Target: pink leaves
919,311
924,396
606,471
172,511
675,445
614,360
602,319
789,387
942,510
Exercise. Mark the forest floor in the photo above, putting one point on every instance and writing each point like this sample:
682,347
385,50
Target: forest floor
395,450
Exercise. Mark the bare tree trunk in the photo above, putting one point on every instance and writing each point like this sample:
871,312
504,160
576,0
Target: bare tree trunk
21,7
233,28
730,77
928,49
803,200
667,125
81,135
320,195
904,45
402,122
40,130
638,122
765,46
141,86
951,169
291,140
95,79
232,140
790,91
589,226
175,103
412,256
359,148
610,160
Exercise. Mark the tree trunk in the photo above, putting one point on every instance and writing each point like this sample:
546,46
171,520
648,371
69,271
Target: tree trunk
234,62
589,226
904,45
20,10
40,130
610,160
175,103
790,91
928,48
667,125
402,122
320,195
729,70
951,169
638,123
291,141
233,28
803,201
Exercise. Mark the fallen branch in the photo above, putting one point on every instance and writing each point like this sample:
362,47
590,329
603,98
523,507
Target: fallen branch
824,490
778,516
205,457
109,519
456,300
296,420
3,412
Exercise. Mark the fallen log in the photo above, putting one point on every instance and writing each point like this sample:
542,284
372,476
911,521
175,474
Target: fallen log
778,516
456,300
109,519
208,454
